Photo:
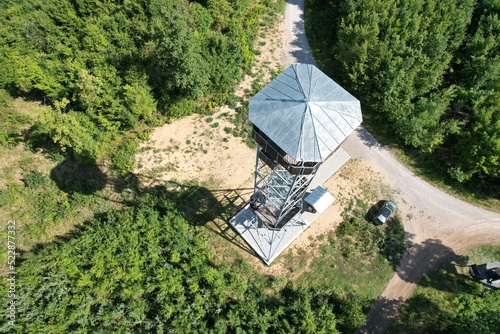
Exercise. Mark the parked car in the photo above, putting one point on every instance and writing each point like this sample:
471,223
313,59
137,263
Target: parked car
485,273
385,210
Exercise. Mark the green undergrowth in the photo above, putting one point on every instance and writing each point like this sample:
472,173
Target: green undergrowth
357,255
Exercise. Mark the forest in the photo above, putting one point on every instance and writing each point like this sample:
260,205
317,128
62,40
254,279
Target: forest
427,74
145,269
113,68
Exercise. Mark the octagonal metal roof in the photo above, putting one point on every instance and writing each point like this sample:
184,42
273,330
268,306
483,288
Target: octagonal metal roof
304,112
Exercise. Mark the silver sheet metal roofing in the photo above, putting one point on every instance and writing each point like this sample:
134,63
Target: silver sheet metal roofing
304,112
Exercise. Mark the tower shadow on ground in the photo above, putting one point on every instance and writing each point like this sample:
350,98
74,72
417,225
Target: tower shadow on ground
206,208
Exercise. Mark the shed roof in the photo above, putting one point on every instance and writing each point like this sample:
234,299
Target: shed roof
320,199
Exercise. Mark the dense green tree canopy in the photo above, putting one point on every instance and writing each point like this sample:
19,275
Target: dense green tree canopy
478,101
144,269
396,55
427,73
109,66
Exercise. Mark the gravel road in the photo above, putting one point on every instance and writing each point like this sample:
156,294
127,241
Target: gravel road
437,225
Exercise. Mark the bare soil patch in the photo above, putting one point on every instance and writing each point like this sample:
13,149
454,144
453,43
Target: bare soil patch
201,148
196,148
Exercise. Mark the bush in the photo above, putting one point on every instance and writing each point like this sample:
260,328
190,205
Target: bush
34,180
124,158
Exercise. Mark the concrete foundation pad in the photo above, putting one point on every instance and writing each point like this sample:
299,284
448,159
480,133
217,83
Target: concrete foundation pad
269,243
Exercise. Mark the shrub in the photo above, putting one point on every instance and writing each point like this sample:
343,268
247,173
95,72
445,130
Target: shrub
34,180
124,158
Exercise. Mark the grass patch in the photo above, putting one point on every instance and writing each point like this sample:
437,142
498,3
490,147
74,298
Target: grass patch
358,255
41,209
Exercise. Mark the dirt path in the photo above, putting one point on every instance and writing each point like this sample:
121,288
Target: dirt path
437,227
436,224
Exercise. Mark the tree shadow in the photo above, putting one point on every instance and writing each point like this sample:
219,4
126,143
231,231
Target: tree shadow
367,138
449,279
198,205
232,201
395,241
453,302
216,208
422,258
424,319
419,260
72,176
76,173
382,312
128,183
75,232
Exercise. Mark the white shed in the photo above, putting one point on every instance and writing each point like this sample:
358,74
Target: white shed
319,200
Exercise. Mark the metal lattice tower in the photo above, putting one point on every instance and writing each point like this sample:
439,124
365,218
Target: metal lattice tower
298,120
280,182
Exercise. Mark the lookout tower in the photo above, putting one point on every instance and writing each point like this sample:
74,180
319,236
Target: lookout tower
299,119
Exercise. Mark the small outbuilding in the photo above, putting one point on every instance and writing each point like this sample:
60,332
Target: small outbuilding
319,200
